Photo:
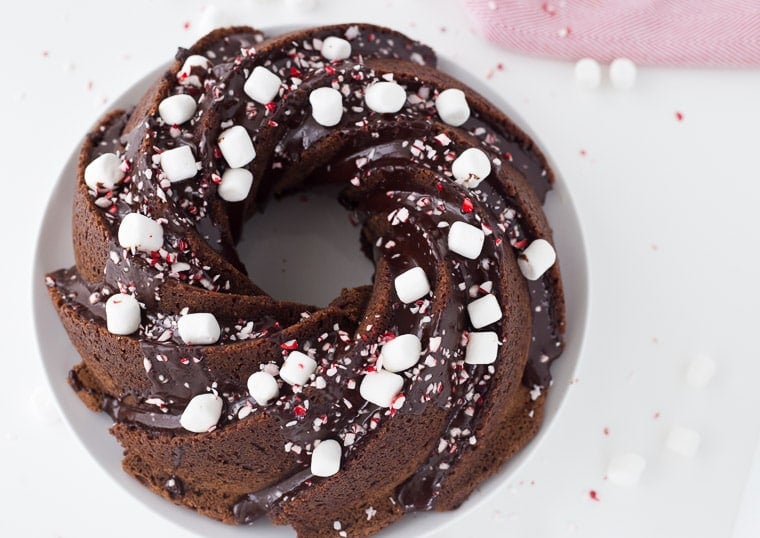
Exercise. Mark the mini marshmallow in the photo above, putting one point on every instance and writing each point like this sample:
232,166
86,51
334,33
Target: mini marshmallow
236,184
401,353
141,233
326,106
700,371
263,387
178,163
381,387
412,285
104,172
336,48
626,469
536,259
484,311
262,86
471,167
588,74
202,413
683,441
185,76
297,368
236,146
325,459
122,314
482,348
177,109
452,107
466,239
199,329
385,97
622,74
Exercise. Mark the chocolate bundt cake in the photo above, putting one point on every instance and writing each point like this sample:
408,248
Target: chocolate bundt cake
396,397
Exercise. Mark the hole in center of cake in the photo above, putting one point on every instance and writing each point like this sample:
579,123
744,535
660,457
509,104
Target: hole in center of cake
305,248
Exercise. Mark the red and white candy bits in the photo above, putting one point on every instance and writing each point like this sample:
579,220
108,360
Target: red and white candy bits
202,413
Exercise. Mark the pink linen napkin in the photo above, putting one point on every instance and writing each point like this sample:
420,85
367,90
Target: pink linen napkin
666,32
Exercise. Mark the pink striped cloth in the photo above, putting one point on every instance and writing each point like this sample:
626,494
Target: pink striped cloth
666,32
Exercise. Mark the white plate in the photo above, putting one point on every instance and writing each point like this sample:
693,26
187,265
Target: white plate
279,278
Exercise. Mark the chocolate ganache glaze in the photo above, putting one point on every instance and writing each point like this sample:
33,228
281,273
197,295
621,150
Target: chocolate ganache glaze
420,163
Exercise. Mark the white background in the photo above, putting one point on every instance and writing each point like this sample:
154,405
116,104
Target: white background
670,215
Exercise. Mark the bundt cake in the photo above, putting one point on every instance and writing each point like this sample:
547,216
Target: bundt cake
396,397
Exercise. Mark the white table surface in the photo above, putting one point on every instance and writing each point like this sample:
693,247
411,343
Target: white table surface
670,215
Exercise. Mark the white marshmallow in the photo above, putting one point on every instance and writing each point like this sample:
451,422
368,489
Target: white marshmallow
622,74
236,184
683,441
588,74
262,86
141,233
452,107
336,48
325,459
484,311
177,109
122,314
202,413
263,387
471,167
185,76
412,285
401,353
326,106
297,368
381,387
700,371
626,469
466,239
104,172
535,260
385,97
199,329
236,146
178,163
482,348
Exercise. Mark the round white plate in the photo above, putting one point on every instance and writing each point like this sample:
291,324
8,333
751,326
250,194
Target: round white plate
290,245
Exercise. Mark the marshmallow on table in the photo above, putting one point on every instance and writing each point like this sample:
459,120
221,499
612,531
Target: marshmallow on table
202,413
185,76
411,285
177,109
452,107
466,240
199,329
471,167
263,387
536,259
140,232
484,311
236,146
401,353
297,368
326,106
262,86
325,459
178,163
482,348
336,48
622,74
381,387
236,184
122,314
701,370
104,172
385,97
588,73
626,469
683,441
